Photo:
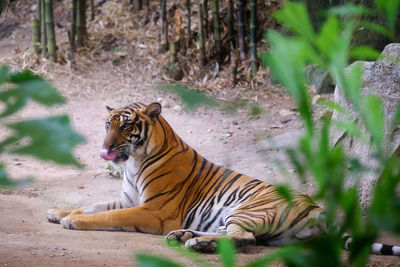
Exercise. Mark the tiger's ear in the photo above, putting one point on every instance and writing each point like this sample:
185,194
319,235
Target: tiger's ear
153,110
109,109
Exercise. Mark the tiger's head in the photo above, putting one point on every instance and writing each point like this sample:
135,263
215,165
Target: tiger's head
128,131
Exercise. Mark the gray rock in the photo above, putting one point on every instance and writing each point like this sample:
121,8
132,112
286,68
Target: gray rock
320,80
380,78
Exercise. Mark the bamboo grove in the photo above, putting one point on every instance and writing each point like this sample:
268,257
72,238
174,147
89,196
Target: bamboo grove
221,31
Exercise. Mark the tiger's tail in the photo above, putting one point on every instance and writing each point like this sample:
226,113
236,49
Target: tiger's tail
376,248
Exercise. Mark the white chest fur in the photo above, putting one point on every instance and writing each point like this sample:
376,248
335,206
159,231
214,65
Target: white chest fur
129,192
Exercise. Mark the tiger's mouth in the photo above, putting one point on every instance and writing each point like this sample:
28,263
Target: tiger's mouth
107,154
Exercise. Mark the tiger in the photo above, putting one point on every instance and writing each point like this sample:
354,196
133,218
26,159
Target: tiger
168,188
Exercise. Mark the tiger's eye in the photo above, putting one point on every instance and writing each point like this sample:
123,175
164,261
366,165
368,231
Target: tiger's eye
108,124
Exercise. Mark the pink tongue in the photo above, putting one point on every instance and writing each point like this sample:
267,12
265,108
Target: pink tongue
107,154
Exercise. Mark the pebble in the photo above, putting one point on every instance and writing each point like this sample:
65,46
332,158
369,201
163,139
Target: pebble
177,108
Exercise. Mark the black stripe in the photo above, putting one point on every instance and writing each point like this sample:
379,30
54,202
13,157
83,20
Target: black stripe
302,215
387,250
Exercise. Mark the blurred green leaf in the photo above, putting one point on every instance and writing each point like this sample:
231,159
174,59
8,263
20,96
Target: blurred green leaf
362,25
390,8
28,86
295,17
364,53
328,37
49,139
350,10
154,261
227,252
6,182
191,98
285,192
331,105
352,128
24,76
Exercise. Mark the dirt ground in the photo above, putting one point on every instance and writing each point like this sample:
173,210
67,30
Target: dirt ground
251,146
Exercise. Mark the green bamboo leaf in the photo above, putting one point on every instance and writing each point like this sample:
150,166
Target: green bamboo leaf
227,252
376,28
352,128
390,8
364,53
154,261
24,76
327,38
6,182
332,105
41,91
295,17
49,139
350,10
285,192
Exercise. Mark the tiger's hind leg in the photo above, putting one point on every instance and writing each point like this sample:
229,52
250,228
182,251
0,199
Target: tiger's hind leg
207,242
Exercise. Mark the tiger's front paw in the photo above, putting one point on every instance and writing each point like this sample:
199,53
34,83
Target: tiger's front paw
55,215
70,222
204,244
180,235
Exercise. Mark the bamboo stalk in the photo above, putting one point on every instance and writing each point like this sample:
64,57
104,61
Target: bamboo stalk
234,66
43,37
217,35
72,51
253,41
51,36
81,23
201,35
38,15
242,48
73,24
205,18
91,10
231,26
164,26
147,14
189,23
35,35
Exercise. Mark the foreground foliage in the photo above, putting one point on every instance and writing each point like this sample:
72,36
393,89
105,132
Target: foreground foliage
48,138
314,158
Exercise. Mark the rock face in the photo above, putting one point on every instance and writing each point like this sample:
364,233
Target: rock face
380,78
